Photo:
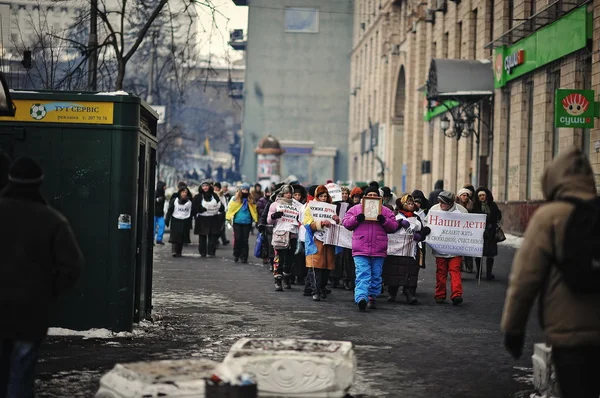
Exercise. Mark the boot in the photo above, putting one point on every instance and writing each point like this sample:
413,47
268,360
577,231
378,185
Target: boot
488,271
410,296
286,282
278,287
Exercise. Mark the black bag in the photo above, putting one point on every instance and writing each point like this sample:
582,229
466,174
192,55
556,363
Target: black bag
580,265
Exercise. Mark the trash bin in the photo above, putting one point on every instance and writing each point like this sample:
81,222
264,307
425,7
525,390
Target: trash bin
98,153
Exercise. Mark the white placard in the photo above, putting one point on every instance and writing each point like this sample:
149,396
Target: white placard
343,210
289,220
337,235
335,191
402,243
212,207
322,211
456,234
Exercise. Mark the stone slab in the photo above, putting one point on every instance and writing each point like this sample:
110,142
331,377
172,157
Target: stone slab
172,378
295,368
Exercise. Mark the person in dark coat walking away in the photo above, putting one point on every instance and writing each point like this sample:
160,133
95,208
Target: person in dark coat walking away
179,216
484,204
40,261
159,212
206,208
438,187
569,318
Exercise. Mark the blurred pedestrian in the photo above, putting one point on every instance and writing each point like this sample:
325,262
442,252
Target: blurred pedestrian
570,319
179,218
484,204
159,212
447,264
217,188
40,261
206,207
242,213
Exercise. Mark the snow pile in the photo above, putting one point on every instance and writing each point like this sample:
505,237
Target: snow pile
512,241
139,330
119,92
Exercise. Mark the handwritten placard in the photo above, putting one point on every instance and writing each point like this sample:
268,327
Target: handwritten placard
335,191
322,211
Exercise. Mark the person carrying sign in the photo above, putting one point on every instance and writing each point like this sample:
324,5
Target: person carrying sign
404,270
321,263
206,207
369,248
283,215
447,263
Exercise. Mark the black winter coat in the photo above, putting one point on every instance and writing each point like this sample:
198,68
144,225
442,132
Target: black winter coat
40,261
438,187
490,246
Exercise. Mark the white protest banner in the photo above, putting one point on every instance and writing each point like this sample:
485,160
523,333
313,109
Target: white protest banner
335,191
289,220
456,234
322,211
402,242
343,210
337,235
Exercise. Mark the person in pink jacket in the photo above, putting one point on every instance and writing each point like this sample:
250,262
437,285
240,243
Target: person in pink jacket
369,249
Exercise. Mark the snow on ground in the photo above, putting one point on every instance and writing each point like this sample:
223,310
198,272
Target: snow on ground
139,330
512,241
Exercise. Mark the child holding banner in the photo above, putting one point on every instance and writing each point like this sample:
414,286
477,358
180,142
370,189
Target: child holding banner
283,215
318,217
369,249
447,263
403,270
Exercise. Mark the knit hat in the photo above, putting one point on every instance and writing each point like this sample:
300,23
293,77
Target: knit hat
245,186
374,184
463,191
386,191
217,184
405,198
372,188
446,197
205,182
356,191
285,189
25,171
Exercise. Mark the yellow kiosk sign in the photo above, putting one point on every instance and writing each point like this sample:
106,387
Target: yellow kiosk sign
62,112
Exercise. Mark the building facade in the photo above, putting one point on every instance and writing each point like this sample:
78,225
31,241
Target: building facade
464,91
296,85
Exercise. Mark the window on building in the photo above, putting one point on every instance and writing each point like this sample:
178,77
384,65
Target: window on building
490,22
553,85
459,34
529,106
302,20
445,46
587,85
473,35
506,99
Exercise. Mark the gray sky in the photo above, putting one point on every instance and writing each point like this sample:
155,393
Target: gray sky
214,36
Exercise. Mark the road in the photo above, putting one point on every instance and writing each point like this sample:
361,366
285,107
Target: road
204,305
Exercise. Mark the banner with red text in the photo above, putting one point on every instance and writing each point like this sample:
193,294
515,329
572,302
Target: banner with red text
456,234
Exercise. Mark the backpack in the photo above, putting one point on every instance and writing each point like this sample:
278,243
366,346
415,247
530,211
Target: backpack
281,240
580,266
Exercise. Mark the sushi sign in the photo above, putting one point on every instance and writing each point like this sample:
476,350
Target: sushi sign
574,108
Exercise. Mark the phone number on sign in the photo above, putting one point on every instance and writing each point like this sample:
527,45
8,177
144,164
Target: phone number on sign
99,118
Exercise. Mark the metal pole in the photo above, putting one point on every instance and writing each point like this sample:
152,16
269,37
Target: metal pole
93,47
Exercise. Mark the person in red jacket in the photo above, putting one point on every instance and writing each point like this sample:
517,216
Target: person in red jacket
369,249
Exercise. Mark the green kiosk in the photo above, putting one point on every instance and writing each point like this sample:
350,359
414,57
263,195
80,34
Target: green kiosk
98,152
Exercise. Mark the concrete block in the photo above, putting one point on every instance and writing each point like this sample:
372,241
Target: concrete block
295,368
174,378
544,377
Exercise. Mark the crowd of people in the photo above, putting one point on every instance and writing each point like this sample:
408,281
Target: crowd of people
295,251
